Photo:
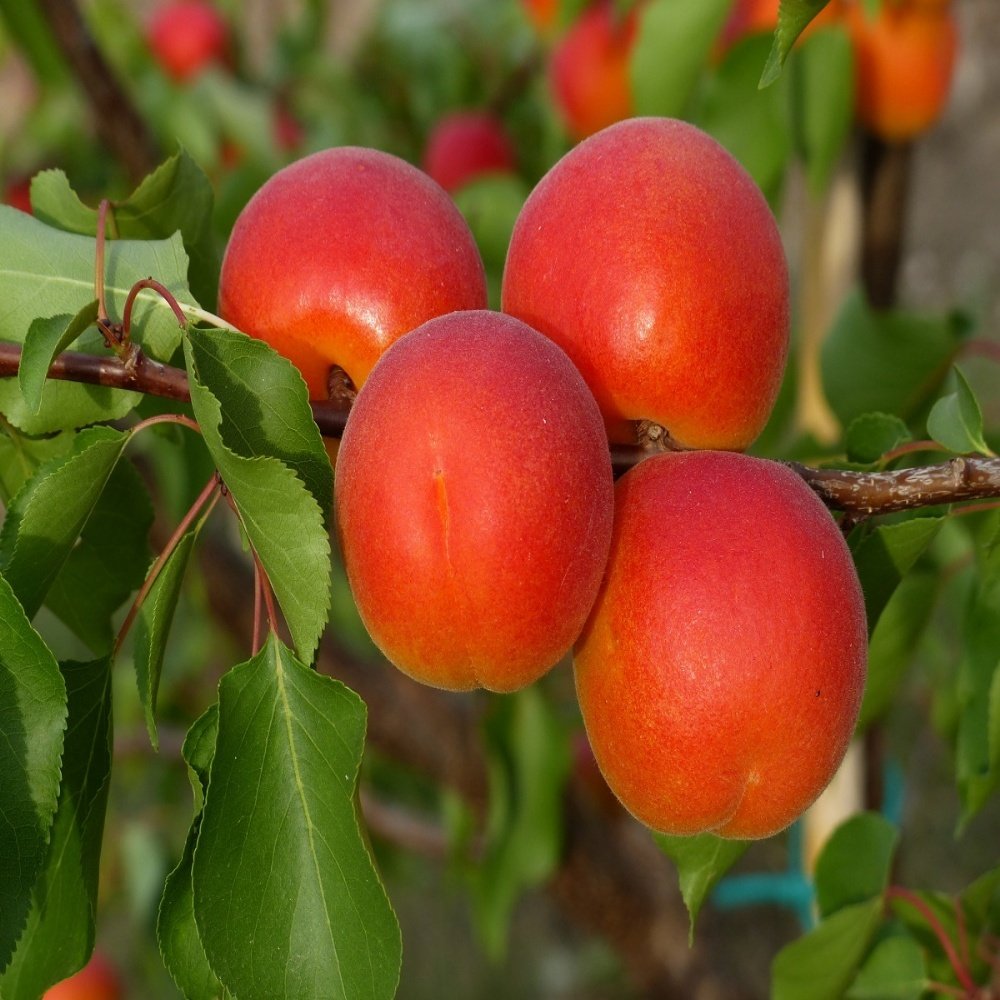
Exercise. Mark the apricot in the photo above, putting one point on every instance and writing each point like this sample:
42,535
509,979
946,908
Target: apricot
589,69
464,145
97,980
651,257
543,14
904,64
341,253
187,36
474,502
721,671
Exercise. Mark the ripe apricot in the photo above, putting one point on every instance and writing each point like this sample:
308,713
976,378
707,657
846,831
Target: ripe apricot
474,502
589,69
341,253
721,671
651,257
186,36
464,145
97,980
904,63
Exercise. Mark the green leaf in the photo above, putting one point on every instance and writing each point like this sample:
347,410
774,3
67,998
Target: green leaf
51,509
108,562
888,362
152,626
28,27
281,870
44,340
59,936
39,264
528,760
265,406
283,520
32,721
21,455
176,197
854,864
895,970
822,964
671,49
884,554
894,642
176,930
793,17
956,421
871,435
701,861
754,125
823,97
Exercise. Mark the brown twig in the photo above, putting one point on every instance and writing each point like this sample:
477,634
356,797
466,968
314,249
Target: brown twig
119,125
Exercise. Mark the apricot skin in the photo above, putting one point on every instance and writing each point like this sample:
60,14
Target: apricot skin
341,253
474,502
651,257
720,674
465,145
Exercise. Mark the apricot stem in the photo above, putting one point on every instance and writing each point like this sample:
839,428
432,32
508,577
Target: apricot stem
164,293
166,418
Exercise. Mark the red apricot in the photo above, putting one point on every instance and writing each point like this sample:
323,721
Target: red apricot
651,257
17,194
464,145
186,36
721,671
904,60
97,980
589,69
474,502
543,14
341,253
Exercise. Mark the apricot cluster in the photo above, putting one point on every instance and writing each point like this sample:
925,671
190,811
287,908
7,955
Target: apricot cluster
717,622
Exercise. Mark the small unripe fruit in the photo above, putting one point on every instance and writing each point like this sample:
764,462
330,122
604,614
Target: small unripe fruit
589,70
187,36
721,672
465,145
474,502
341,253
651,257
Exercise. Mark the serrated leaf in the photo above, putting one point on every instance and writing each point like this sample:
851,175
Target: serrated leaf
670,52
956,421
528,761
871,435
282,519
701,861
44,340
281,869
176,930
59,936
854,864
754,125
793,17
888,361
21,455
32,721
39,264
885,554
107,563
265,406
175,197
152,626
895,970
823,82
46,517
822,964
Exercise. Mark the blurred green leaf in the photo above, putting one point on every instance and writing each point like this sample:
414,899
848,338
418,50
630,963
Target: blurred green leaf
895,970
823,99
822,964
528,761
701,861
793,16
855,863
671,49
28,27
59,936
869,436
956,421
888,362
281,869
44,340
32,722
